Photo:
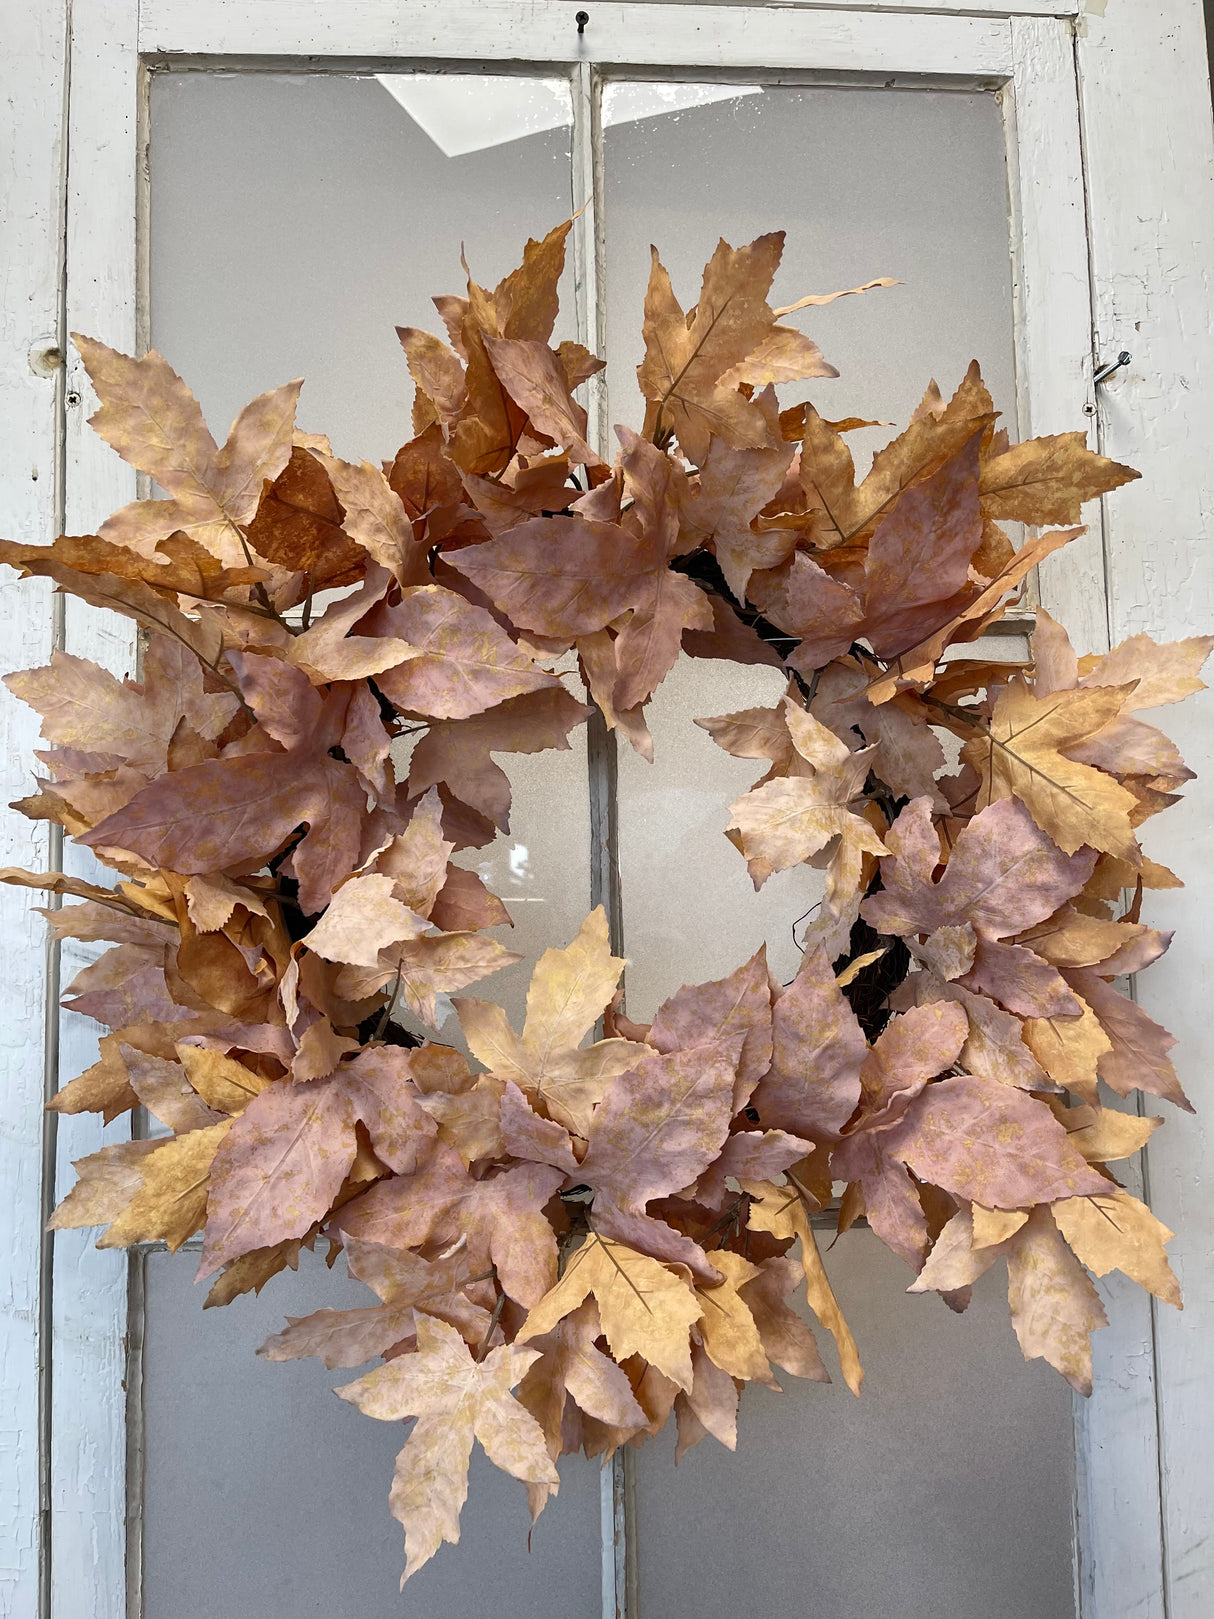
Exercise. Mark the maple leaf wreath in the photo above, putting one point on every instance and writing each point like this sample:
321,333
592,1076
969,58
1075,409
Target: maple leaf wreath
568,1239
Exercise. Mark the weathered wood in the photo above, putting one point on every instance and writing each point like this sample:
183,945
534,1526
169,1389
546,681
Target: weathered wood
1150,163
637,34
1052,292
88,1427
32,92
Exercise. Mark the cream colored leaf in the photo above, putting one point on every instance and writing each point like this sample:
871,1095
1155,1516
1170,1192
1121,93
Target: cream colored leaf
1024,756
223,1083
456,1400
1117,1232
646,1309
1055,1308
782,1212
171,1202
730,1334
363,918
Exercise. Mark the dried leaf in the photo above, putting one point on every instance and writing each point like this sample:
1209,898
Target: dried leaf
455,1400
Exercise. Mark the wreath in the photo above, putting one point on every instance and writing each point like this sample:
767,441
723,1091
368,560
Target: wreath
596,1222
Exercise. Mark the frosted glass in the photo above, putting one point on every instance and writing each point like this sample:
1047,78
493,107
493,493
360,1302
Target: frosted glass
905,183
944,1492
266,1497
297,220
690,911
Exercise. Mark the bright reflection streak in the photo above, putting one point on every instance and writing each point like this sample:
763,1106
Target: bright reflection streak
467,112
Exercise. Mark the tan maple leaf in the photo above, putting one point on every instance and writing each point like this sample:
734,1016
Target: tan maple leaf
569,990
646,1309
152,419
787,820
688,374
782,1211
1024,753
456,1400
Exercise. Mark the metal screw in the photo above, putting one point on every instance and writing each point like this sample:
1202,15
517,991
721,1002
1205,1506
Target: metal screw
1105,371
73,398
582,18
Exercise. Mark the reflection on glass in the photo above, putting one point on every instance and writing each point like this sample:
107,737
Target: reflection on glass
467,112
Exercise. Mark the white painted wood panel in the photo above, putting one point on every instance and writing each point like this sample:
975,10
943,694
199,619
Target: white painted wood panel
1052,291
1150,159
1118,1550
637,34
88,1412
31,182
1001,8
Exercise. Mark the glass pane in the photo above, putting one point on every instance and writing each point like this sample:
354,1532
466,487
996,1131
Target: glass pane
296,220
944,1491
903,183
267,1496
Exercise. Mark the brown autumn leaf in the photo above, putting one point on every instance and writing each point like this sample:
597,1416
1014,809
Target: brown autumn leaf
909,755
1114,1231
686,373
732,489
152,419
916,568
278,1170
917,664
168,1203
781,1210
533,376
84,706
298,525
227,811
1047,480
785,821
500,1218
1055,1308
573,1368
818,1047
375,518
1024,753
464,662
700,1014
828,471
456,1400
645,1308
659,1125
1003,876
987,1142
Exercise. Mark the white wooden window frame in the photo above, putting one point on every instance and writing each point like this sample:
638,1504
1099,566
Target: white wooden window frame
1111,179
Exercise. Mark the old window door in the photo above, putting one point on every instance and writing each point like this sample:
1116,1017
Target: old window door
243,174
